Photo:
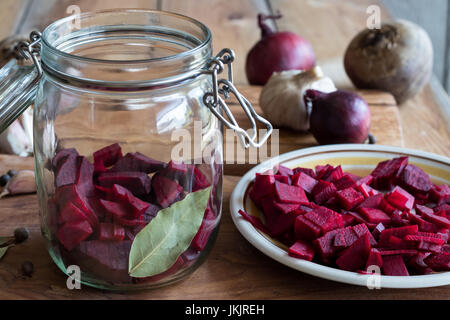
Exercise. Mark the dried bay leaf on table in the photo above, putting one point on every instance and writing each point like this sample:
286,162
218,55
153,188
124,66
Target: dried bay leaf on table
156,247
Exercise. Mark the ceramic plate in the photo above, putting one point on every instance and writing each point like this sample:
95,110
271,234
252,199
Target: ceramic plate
358,159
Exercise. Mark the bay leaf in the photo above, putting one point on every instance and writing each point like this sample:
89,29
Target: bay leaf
5,240
3,251
157,246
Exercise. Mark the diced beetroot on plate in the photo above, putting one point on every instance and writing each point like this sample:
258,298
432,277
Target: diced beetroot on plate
400,199
166,190
85,177
334,175
66,173
355,257
418,238
361,230
446,248
397,243
372,202
374,215
439,262
137,162
377,231
324,246
71,234
290,194
387,171
70,213
443,207
208,224
400,232
417,261
305,229
349,198
440,194
263,186
137,182
393,265
345,238
422,209
429,246
433,235
255,221
415,179
424,225
345,182
439,221
108,155
325,218
282,179
302,250
348,220
367,180
304,181
374,259
407,253
284,171
386,207
308,171
323,172
367,191
323,191
286,207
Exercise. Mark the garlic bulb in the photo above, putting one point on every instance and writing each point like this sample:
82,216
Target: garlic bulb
18,137
282,98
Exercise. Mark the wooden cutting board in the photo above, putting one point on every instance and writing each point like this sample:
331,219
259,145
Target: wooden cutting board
233,262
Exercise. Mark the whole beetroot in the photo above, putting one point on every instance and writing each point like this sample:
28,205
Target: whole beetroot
338,117
275,52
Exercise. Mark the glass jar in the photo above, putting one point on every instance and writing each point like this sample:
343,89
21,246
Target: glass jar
127,135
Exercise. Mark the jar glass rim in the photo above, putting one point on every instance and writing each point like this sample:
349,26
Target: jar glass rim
49,46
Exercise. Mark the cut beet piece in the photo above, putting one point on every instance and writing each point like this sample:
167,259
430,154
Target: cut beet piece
418,238
105,259
276,221
325,218
66,173
400,232
422,209
151,212
108,155
70,213
85,177
166,190
334,175
283,179
308,171
415,180
111,232
324,246
349,198
439,221
137,182
255,221
387,171
199,180
72,233
397,243
305,229
284,171
400,199
302,250
345,182
137,205
304,181
355,257
417,262
393,265
56,162
362,230
440,194
429,246
423,225
263,186
439,262
70,193
116,209
137,162
377,231
443,207
372,202
374,259
407,253
322,172
367,180
323,191
204,232
286,207
386,207
374,215
345,238
290,194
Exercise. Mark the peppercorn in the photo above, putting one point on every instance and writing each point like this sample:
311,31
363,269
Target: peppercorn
4,180
21,234
12,173
27,268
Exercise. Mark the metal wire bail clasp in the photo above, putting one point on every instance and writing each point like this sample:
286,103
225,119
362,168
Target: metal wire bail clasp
216,104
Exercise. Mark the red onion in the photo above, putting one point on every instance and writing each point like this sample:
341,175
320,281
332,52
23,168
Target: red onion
338,117
277,51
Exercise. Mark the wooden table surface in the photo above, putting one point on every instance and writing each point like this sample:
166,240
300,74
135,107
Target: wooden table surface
234,269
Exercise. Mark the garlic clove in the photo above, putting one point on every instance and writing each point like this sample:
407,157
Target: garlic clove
22,183
14,140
